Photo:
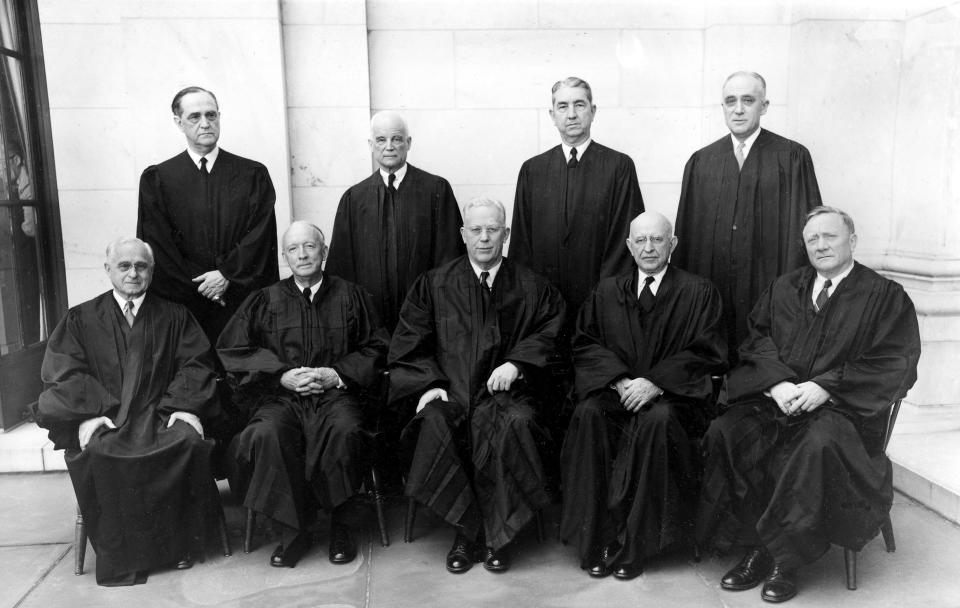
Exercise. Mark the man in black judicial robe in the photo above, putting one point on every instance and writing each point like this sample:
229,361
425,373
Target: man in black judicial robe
302,354
208,214
473,338
120,371
395,225
646,345
574,202
738,226
796,462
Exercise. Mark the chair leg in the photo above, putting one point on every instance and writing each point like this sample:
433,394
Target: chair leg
248,530
886,529
409,521
222,530
696,553
850,561
378,503
540,533
79,543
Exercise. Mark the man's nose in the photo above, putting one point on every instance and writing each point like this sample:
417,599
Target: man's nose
738,108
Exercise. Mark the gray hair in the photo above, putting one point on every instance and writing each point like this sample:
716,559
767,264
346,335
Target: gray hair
574,83
389,114
763,83
323,237
129,240
824,210
486,201
175,106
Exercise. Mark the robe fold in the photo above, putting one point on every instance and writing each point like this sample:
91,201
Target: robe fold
740,228
298,451
226,224
476,459
426,233
570,225
146,491
797,484
631,480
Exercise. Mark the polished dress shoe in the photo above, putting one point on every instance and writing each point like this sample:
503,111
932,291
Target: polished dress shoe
185,563
343,549
780,586
626,572
598,565
496,561
752,569
462,555
288,556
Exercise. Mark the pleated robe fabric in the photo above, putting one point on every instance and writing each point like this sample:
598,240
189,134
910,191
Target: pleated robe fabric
300,451
223,222
425,233
797,484
740,228
631,480
146,492
476,459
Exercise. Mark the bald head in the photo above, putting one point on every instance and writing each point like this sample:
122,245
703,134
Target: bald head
651,241
389,141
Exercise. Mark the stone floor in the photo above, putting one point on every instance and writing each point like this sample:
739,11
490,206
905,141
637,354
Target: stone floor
36,569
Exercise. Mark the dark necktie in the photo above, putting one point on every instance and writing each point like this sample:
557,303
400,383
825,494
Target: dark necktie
824,295
391,241
390,179
646,296
485,291
128,312
572,163
203,166
306,294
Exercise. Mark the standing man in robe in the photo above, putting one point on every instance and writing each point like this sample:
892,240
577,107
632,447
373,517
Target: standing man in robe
208,214
743,201
469,352
797,462
646,345
302,354
574,202
129,378
395,225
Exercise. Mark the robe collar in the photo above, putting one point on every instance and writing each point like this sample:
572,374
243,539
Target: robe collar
747,143
400,173
211,157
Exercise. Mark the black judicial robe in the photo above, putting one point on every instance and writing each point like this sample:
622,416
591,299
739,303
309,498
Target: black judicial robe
632,478
570,225
227,224
276,330
427,233
144,490
443,339
742,228
821,477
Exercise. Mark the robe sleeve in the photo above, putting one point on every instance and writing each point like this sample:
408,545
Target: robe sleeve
449,243
760,366
687,371
247,363
193,387
627,204
887,367
73,393
536,349
521,249
253,260
596,367
154,227
686,216
413,367
363,365
340,261
804,196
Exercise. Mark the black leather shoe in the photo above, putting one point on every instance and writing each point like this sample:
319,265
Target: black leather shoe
185,563
780,586
462,555
343,549
626,572
752,569
287,557
599,566
496,561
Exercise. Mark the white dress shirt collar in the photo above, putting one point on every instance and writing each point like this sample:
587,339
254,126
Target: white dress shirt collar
493,271
834,282
657,279
400,173
747,143
313,288
122,301
580,150
211,157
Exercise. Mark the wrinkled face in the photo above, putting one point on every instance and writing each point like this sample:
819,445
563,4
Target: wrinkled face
304,252
130,270
743,105
389,144
199,120
572,113
829,244
650,243
484,232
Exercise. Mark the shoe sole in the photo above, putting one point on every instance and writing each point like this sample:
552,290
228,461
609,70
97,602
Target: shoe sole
739,587
778,600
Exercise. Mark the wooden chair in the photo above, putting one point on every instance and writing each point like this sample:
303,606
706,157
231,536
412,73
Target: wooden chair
886,528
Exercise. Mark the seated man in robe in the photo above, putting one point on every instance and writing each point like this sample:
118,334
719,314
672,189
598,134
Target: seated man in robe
302,354
128,378
472,342
646,343
796,462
